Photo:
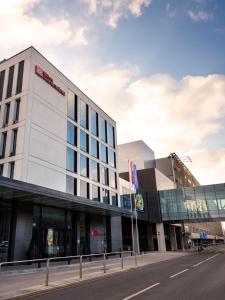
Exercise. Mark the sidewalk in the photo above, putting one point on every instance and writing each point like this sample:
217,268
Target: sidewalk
17,284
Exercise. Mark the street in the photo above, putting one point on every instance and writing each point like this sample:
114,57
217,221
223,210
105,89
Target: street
197,276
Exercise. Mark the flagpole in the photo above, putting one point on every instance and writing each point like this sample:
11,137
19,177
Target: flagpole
131,208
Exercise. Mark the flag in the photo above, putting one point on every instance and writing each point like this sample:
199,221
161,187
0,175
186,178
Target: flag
135,177
131,176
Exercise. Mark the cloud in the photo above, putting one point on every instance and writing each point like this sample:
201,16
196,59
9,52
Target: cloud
168,114
21,28
112,11
199,15
171,12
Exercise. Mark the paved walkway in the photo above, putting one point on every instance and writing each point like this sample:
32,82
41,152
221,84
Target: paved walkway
20,283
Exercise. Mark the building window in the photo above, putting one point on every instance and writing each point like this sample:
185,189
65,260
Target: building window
1,169
95,171
112,179
84,166
84,141
111,136
94,122
71,134
72,106
13,142
84,189
10,82
112,158
114,197
105,196
20,78
103,130
16,111
2,78
71,185
6,114
84,114
11,169
95,193
104,153
3,144
94,147
71,160
105,175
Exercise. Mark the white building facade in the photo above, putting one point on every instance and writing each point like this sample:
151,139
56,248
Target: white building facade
54,136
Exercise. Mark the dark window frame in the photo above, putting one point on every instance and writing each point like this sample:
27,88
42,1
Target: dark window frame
4,137
10,82
2,80
14,142
19,84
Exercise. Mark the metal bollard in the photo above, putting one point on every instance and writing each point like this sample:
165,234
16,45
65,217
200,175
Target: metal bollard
81,267
104,263
122,260
47,272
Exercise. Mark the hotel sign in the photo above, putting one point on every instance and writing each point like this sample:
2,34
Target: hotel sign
41,73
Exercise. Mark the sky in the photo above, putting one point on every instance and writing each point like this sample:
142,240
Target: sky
156,66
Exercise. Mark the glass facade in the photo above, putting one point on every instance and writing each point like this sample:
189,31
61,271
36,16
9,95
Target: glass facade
71,160
193,203
71,134
83,114
84,141
105,196
94,147
84,166
111,136
84,189
112,179
103,130
5,220
105,175
72,106
95,193
71,185
114,197
95,171
112,158
104,153
94,122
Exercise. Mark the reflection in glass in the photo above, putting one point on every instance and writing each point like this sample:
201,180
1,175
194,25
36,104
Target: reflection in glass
94,122
83,114
71,134
84,141
112,158
105,196
105,175
72,106
94,171
111,136
103,130
94,147
71,160
84,189
104,153
84,166
95,193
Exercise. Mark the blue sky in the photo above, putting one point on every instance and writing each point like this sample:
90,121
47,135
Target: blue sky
157,67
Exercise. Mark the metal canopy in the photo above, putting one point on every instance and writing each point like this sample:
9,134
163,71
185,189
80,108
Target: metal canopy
14,190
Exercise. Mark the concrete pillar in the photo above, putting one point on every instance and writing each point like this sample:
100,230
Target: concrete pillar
173,239
116,234
161,237
150,238
22,235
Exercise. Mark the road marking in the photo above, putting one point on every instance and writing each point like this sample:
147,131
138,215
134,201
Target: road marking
140,292
179,273
201,262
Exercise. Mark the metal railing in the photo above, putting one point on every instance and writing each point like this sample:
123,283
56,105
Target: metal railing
80,258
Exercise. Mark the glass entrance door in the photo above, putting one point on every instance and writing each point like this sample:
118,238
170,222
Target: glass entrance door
53,241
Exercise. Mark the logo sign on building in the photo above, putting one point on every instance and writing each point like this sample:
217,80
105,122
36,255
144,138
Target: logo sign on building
95,233
139,202
203,235
41,73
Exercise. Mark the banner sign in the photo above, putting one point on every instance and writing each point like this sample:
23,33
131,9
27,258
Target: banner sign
133,175
139,202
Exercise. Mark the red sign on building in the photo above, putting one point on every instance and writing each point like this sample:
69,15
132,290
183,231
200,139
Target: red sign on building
41,73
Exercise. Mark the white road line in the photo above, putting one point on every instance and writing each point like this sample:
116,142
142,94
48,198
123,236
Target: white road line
140,292
179,273
201,262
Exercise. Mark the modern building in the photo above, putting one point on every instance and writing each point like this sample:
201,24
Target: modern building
59,148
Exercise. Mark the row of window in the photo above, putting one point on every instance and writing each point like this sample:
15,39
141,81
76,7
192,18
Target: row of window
11,168
71,187
99,126
13,143
7,112
108,177
19,83
108,156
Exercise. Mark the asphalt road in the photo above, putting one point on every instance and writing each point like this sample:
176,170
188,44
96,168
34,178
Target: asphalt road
199,276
